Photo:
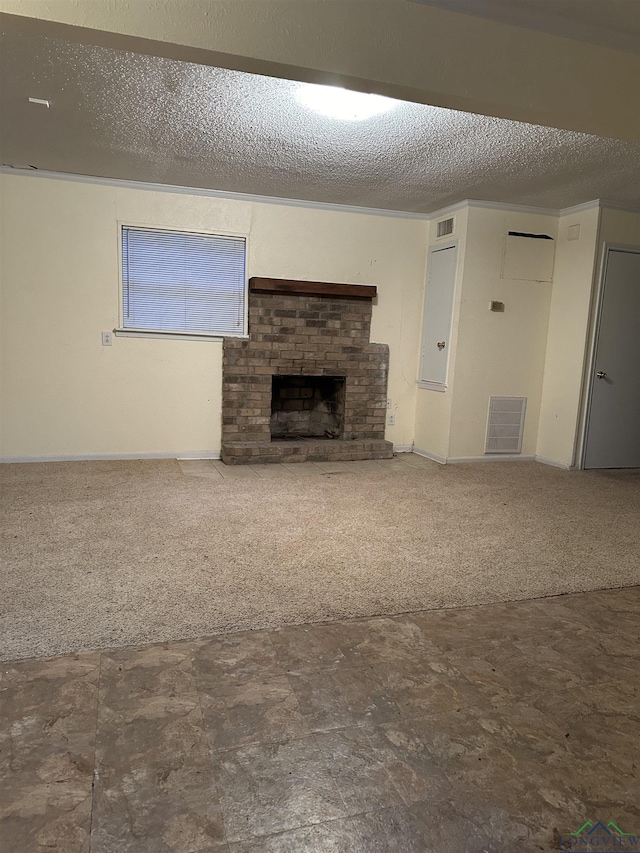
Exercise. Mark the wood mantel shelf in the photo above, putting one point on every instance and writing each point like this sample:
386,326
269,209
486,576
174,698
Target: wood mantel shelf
312,288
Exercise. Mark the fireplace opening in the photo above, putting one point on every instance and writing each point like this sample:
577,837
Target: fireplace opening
307,407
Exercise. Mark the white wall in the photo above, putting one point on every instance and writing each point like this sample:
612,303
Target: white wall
64,394
538,347
620,227
567,338
499,354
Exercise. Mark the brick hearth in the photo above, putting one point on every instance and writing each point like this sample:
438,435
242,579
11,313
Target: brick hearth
306,334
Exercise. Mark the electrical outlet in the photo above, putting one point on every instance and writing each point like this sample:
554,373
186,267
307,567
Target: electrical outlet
107,339
391,419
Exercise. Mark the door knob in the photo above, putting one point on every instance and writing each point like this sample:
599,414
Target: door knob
601,374
441,344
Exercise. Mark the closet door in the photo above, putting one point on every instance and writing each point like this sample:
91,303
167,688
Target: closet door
613,429
438,315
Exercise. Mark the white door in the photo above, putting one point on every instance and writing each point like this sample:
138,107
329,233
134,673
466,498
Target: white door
438,312
613,429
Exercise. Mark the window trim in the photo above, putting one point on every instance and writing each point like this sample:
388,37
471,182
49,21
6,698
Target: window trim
429,385
176,336
124,332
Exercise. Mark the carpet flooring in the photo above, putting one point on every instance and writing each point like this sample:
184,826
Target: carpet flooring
102,554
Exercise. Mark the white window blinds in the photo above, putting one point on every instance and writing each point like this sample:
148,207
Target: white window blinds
180,282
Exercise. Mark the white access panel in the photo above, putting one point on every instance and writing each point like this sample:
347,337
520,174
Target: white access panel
528,258
438,316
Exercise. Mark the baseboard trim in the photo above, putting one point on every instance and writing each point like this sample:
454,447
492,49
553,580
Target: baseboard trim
459,460
428,455
215,454
553,463
114,457
502,457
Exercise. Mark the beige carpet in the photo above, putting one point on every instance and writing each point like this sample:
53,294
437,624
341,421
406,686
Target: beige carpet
102,554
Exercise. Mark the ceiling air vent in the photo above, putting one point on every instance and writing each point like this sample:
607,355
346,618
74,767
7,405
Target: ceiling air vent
445,227
505,425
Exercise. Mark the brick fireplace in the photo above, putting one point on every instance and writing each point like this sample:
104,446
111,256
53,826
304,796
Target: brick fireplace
307,385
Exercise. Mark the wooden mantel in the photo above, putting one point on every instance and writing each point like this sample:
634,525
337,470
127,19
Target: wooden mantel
312,288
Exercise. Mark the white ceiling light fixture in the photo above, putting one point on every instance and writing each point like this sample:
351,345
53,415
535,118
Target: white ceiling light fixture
343,104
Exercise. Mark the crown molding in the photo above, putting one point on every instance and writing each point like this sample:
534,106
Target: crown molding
208,193
319,205
513,208
447,211
596,203
492,205
580,208
601,204
615,205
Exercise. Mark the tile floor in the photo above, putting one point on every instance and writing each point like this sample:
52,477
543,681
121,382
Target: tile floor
215,470
493,728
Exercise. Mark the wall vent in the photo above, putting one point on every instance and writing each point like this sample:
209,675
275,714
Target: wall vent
445,227
505,424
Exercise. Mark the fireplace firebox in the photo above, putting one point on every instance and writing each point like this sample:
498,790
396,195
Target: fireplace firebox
307,407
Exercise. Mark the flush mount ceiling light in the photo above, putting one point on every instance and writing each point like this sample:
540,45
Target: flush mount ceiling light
343,104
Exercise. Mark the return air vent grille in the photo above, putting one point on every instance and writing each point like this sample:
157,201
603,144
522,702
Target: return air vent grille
445,227
505,425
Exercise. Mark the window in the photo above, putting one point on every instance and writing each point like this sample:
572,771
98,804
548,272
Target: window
182,283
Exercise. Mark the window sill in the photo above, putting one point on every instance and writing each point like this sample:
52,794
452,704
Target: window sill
175,336
431,386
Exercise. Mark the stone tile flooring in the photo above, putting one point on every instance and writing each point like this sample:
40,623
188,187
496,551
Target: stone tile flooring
215,470
493,728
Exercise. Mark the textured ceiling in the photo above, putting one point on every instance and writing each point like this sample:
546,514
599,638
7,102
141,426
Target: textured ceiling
614,23
129,116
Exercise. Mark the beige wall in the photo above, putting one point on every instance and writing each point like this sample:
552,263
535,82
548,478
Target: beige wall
567,338
499,354
64,394
536,349
619,227
578,270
